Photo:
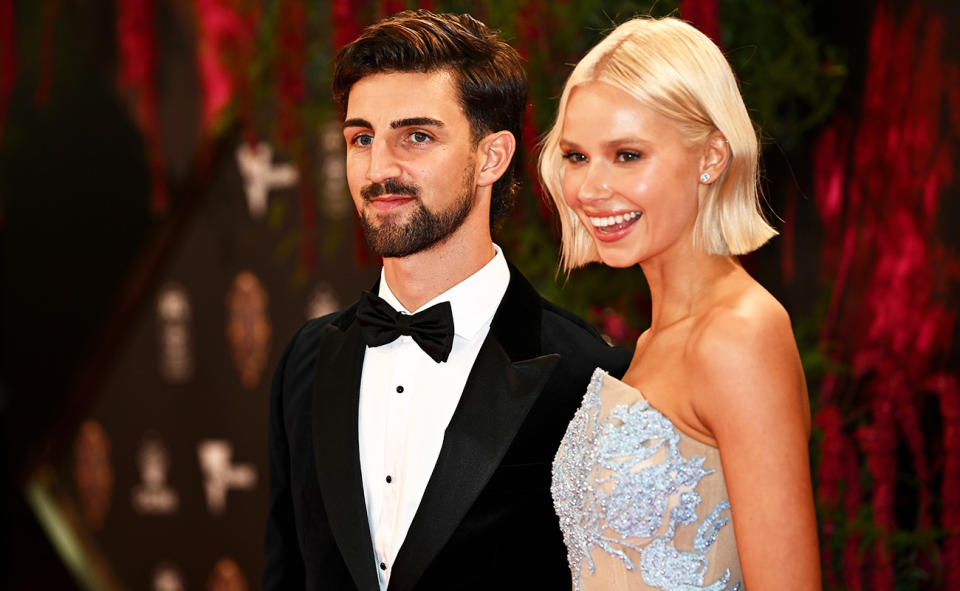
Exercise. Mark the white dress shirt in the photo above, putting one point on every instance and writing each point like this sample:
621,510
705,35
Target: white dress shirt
406,402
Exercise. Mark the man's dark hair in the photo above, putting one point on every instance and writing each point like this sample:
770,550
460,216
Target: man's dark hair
487,72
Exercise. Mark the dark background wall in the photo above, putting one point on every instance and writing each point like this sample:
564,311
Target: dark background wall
85,254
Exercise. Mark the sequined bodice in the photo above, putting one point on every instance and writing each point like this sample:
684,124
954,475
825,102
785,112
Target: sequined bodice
641,505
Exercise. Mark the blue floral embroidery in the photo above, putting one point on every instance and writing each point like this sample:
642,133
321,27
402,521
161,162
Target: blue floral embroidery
620,454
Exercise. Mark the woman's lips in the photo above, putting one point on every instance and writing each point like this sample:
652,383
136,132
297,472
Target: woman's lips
615,226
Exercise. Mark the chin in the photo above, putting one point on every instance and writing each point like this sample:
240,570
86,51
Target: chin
618,260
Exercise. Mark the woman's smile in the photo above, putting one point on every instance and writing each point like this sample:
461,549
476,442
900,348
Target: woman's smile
615,226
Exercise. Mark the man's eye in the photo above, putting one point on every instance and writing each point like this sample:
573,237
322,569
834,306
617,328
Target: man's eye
574,157
363,140
420,137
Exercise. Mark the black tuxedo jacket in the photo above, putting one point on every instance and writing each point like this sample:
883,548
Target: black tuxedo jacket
486,520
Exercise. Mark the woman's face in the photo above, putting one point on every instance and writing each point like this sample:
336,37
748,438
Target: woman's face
629,175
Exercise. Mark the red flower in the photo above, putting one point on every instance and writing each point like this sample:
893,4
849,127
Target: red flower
8,57
224,46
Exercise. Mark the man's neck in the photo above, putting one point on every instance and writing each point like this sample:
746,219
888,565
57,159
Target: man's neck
420,277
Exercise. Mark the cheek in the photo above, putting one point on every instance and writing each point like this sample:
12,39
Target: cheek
425,175
353,169
639,189
354,186
571,188
355,182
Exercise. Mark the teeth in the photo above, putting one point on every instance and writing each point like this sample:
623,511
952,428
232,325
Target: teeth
614,219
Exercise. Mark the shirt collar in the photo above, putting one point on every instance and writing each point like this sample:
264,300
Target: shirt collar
473,301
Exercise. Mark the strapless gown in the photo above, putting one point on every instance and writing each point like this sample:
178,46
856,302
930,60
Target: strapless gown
641,505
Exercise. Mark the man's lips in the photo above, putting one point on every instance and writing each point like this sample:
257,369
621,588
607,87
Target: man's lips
389,202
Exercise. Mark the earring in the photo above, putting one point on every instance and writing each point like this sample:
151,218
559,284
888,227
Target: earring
704,177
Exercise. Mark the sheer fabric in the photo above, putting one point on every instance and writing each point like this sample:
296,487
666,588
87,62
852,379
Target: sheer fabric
642,506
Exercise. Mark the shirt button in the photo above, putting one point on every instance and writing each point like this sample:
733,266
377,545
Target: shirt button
399,389
389,479
383,566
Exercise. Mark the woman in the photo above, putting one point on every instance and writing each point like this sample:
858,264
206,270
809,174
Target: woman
693,472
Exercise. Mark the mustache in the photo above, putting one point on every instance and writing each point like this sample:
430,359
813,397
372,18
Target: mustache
389,187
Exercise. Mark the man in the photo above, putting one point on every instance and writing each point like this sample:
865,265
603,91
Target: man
406,454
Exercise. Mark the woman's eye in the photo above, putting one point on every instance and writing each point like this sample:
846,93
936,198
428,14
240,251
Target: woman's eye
574,157
628,156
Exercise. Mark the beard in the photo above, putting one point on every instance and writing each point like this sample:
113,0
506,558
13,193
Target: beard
423,229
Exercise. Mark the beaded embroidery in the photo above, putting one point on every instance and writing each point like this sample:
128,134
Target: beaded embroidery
613,483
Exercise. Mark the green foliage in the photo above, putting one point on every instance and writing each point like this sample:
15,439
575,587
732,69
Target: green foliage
789,78
554,38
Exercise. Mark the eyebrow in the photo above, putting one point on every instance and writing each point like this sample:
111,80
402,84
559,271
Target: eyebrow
408,122
356,123
614,143
620,141
413,121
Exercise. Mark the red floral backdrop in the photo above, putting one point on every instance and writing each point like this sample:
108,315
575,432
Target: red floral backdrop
8,57
136,78
880,181
879,177
887,410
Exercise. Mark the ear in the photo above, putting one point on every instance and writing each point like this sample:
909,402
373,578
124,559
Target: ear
495,151
716,156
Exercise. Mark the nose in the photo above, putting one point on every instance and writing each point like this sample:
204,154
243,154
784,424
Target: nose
595,185
382,164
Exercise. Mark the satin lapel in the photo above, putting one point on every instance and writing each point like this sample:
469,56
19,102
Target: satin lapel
495,402
336,397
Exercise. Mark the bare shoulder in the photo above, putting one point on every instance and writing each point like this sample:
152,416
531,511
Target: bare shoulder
743,354
751,396
750,321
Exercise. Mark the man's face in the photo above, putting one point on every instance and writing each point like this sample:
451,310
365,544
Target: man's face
411,160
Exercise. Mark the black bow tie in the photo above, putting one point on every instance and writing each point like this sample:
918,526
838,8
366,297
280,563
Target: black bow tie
432,328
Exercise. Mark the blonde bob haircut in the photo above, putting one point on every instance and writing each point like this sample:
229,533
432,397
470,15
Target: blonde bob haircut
671,67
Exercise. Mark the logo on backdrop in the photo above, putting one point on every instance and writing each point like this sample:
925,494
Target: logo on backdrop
322,301
226,576
153,495
167,577
335,203
175,334
260,176
92,472
220,474
248,327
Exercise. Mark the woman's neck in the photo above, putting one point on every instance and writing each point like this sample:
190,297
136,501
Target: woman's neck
683,286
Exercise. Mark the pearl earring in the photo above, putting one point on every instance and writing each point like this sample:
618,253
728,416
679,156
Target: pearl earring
704,177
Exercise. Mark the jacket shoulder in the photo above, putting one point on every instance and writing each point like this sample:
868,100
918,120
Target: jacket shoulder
579,342
561,317
303,344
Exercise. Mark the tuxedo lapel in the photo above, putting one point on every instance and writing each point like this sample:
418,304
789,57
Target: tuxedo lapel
495,401
505,381
336,398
